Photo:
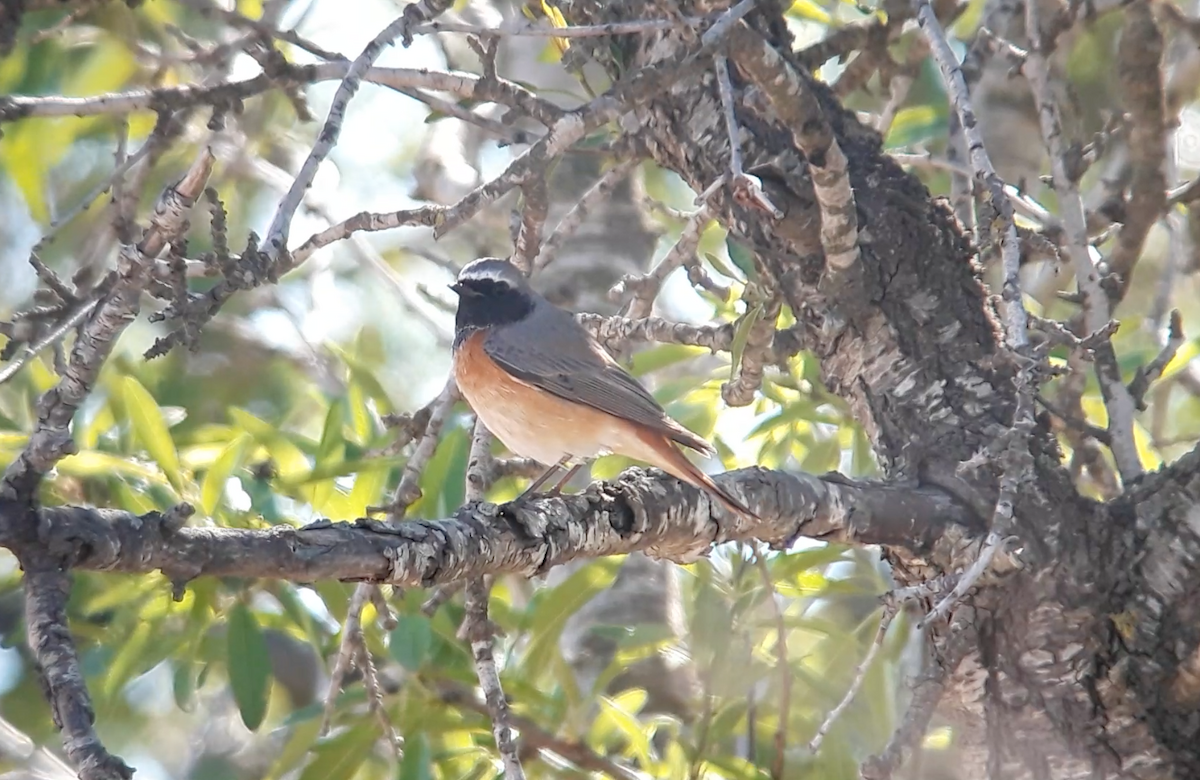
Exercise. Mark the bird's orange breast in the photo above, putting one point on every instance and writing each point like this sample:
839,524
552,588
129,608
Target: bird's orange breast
533,423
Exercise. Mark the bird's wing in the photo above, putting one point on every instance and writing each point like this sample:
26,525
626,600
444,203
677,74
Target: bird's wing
552,352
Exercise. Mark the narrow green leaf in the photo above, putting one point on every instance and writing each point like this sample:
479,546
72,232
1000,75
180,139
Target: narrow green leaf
184,685
213,486
742,257
248,665
304,734
719,266
741,336
130,660
655,358
290,460
340,757
416,764
411,640
151,428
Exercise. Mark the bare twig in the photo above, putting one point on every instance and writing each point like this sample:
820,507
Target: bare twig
571,31
1139,59
407,492
533,220
1016,316
275,243
747,189
645,288
51,440
715,338
890,610
1150,373
1117,399
927,692
347,650
574,218
535,736
477,628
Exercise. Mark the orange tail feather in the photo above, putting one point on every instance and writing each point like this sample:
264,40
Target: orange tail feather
672,460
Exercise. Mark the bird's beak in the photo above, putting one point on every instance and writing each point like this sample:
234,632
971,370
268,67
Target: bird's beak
456,288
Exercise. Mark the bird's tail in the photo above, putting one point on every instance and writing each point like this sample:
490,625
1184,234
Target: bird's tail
672,460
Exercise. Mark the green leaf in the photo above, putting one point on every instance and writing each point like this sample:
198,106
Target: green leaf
915,124
655,358
184,685
807,9
290,460
340,757
151,428
411,640
213,486
552,607
248,665
304,734
741,336
742,257
719,266
416,764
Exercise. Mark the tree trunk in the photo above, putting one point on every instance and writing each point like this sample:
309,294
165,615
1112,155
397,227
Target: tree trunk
1083,663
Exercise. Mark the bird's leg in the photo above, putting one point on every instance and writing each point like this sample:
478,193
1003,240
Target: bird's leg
537,483
562,483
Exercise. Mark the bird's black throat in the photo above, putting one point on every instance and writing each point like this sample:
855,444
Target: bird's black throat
484,303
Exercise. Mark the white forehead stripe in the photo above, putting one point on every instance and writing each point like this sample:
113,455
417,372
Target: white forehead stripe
496,271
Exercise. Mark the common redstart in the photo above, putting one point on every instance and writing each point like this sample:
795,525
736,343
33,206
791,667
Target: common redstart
545,388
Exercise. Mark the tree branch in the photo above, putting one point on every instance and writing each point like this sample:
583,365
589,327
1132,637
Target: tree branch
645,511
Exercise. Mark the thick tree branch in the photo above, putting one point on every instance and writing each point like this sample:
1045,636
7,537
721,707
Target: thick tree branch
643,511
46,593
797,106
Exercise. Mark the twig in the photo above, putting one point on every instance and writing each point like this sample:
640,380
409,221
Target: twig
46,591
795,103
760,318
646,288
1083,426
407,492
902,84
890,610
276,240
533,220
1139,59
464,85
374,691
347,650
927,693
572,31
477,628
1016,471
51,439
574,125
747,189
1149,374
574,218
1016,316
535,736
716,338
1117,399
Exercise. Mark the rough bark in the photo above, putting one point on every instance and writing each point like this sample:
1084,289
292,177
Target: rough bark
1080,666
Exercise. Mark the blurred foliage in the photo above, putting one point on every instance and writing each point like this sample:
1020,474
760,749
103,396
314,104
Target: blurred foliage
265,424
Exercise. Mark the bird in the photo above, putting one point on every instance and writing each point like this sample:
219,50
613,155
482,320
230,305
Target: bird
539,381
